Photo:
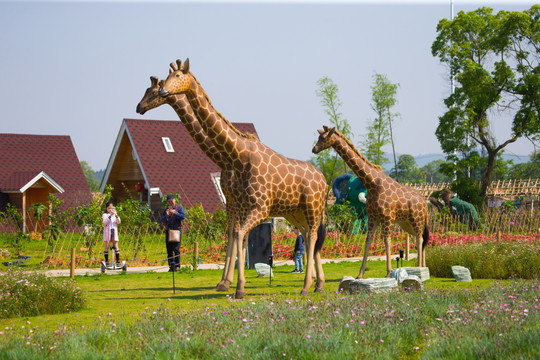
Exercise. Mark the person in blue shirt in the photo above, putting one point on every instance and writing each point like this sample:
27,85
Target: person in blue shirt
298,252
172,220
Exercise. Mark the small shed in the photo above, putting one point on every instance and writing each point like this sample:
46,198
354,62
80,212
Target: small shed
33,166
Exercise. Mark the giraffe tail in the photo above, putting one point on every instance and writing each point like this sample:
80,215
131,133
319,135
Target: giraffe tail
321,235
425,236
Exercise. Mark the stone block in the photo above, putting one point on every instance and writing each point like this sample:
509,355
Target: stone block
461,274
263,270
421,272
412,282
399,274
344,284
373,285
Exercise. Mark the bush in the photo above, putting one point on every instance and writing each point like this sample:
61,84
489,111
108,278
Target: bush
491,260
32,294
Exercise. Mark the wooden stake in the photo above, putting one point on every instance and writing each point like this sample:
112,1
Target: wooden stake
72,268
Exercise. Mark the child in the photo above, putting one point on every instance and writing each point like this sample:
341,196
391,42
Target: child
298,252
110,232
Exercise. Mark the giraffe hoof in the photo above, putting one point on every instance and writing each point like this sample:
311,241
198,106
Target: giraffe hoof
304,292
239,294
222,286
318,289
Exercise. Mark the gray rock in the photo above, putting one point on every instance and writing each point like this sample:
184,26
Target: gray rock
263,270
412,282
399,274
344,284
373,285
461,274
421,272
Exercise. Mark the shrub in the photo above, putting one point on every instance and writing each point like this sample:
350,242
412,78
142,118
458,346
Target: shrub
490,260
33,293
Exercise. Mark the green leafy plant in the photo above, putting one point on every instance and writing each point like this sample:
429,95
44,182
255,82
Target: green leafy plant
39,210
32,293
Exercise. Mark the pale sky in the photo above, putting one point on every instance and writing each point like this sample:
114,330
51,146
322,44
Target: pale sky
78,68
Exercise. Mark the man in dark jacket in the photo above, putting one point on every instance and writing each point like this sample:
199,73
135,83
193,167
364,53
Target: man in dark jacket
172,219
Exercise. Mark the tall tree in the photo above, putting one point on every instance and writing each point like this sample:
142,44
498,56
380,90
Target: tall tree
379,132
328,161
408,170
494,60
89,175
433,173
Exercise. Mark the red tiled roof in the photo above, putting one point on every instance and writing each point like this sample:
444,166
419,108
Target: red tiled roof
24,155
186,171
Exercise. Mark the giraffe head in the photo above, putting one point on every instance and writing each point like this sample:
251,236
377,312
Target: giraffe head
326,140
151,98
178,81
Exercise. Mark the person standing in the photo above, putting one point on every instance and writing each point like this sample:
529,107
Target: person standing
172,219
298,252
110,232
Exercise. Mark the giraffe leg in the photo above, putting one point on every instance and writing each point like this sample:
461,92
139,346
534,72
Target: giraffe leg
228,270
240,293
320,273
388,248
310,246
372,225
230,256
420,257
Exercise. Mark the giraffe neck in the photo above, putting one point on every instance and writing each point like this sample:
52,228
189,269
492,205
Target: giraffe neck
227,140
181,106
358,163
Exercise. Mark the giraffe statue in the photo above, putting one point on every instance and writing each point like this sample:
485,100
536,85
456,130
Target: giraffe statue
268,184
179,103
387,200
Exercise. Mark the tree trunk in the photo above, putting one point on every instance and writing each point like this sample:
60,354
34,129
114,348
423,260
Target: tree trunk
393,147
486,179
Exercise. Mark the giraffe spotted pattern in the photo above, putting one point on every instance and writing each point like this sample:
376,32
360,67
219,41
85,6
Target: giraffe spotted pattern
388,201
266,183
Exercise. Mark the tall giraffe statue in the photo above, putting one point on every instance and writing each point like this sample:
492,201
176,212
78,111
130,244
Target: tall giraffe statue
388,201
179,103
268,184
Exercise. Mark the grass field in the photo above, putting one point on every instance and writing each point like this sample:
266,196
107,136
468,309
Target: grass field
138,316
127,295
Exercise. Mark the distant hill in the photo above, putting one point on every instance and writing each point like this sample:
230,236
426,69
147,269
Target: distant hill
424,159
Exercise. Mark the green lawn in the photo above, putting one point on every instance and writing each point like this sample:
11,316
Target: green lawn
128,295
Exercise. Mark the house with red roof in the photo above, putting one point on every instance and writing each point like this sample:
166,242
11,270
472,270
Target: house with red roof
152,158
33,166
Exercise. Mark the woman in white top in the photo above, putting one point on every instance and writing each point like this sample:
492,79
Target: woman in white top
110,231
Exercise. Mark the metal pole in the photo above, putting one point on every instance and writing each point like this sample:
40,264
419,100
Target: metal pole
173,284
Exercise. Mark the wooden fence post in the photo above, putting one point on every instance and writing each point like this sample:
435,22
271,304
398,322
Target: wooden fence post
72,268
499,236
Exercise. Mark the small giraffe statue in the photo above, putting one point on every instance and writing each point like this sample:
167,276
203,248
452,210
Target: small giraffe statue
269,183
179,103
387,200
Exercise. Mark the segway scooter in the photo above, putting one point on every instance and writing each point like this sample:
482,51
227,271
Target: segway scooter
114,265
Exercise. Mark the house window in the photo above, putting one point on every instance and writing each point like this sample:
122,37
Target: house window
167,143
